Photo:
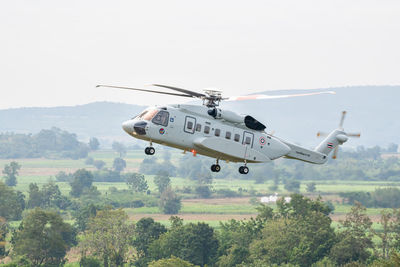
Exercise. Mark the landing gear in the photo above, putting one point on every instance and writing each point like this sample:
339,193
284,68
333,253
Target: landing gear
215,167
149,150
243,170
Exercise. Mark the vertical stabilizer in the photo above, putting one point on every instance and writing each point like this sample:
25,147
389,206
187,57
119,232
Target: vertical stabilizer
335,138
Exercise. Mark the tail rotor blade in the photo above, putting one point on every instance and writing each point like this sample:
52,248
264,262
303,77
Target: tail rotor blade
334,156
357,135
342,119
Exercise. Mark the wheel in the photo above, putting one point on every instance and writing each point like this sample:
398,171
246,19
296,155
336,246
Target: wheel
213,168
241,169
217,168
146,150
152,151
245,170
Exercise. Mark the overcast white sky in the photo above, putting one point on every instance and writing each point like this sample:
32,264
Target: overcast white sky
54,52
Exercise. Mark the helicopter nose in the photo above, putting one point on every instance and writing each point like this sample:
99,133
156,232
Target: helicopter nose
128,126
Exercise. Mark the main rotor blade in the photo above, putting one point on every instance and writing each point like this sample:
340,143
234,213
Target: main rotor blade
192,93
253,97
342,119
143,90
354,134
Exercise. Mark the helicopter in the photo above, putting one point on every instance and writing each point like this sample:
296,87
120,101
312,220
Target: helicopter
222,134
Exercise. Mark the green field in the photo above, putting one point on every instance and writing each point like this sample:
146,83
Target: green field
41,171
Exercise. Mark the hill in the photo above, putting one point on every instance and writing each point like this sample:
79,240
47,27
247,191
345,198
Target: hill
372,110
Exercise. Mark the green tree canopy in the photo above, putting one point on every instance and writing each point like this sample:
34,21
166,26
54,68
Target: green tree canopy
171,262
170,203
195,243
120,148
10,172
10,203
82,179
355,237
43,237
136,182
146,231
162,181
94,143
3,233
108,236
119,164
99,164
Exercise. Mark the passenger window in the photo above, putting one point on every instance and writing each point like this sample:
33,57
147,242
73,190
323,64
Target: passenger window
248,140
228,135
198,127
237,137
206,129
190,125
161,118
217,132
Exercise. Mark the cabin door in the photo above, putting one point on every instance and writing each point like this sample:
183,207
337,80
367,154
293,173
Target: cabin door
190,123
248,139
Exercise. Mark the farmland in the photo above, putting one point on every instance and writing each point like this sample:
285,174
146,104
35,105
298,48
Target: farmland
213,210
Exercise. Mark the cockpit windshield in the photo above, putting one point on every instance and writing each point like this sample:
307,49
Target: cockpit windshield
159,117
149,114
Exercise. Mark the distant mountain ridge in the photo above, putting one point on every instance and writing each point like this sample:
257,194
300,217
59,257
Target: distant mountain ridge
372,110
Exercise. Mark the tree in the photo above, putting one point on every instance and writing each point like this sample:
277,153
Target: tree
355,237
3,233
292,186
162,181
10,203
48,197
196,243
120,148
137,182
311,187
99,164
82,179
203,191
108,236
146,231
299,233
119,164
170,203
94,143
84,214
10,172
171,262
43,237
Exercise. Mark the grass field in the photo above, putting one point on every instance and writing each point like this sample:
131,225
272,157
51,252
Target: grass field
40,171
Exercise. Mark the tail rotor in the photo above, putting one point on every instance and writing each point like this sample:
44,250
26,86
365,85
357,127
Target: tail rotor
338,137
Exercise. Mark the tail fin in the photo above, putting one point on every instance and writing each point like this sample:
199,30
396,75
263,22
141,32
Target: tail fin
334,139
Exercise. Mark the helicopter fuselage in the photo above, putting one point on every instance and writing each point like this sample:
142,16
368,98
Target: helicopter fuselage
191,128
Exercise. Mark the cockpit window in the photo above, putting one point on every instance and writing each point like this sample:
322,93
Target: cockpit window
161,118
149,114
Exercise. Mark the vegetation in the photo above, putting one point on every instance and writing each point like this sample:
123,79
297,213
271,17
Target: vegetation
10,172
43,237
302,232
42,144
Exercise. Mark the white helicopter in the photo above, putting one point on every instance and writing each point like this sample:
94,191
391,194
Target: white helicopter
222,134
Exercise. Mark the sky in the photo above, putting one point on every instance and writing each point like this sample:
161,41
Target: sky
54,52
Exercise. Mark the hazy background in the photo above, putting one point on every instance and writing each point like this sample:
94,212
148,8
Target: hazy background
54,52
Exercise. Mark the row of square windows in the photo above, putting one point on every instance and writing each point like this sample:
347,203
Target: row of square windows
217,132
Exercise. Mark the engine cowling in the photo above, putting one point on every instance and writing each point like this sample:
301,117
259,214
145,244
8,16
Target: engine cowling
233,117
226,115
